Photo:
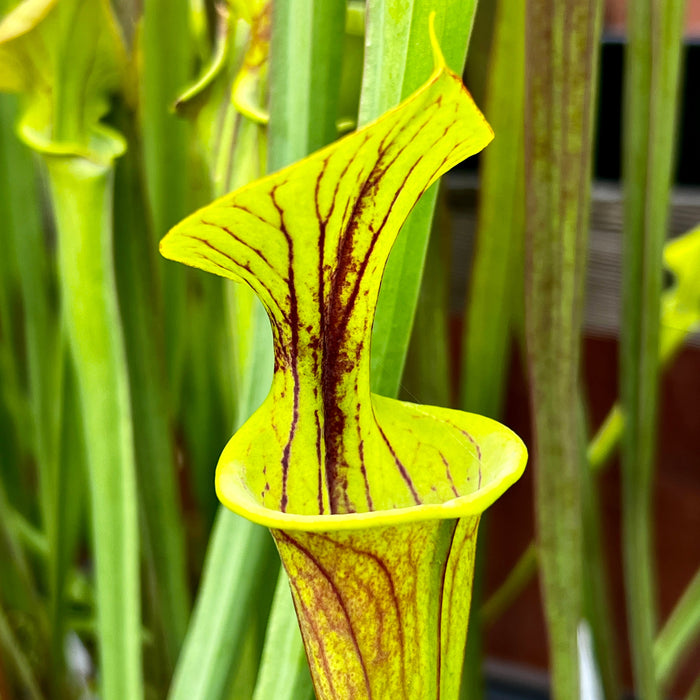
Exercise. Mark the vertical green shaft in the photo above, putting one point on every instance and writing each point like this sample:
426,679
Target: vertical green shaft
162,529
398,59
81,193
499,233
651,86
166,56
561,47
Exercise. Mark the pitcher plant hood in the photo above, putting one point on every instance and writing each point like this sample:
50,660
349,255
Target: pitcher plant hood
373,502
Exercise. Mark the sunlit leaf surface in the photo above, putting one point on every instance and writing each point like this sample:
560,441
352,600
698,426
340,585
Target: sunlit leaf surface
365,495
312,241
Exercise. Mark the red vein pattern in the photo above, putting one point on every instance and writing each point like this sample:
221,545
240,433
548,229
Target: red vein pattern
367,611
312,242
382,606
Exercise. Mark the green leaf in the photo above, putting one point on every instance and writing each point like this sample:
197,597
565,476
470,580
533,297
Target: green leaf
494,278
495,282
238,558
561,59
652,75
164,55
426,376
162,529
305,90
397,62
341,475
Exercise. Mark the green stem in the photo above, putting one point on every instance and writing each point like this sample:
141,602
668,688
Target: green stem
304,89
81,193
31,538
13,653
397,61
239,557
494,275
561,55
20,213
166,60
504,596
651,86
426,377
681,628
597,603
163,534
606,439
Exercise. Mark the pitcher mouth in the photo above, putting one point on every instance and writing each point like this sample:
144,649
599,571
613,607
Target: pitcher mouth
232,490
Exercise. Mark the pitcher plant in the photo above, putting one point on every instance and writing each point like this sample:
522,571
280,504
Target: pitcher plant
373,503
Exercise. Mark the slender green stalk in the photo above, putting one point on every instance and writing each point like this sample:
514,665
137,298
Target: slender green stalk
651,87
499,230
561,52
679,632
72,506
597,604
494,272
12,651
397,61
426,377
82,200
307,38
284,671
166,56
21,221
32,539
606,439
20,214
162,529
504,596
238,559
